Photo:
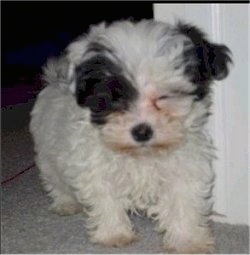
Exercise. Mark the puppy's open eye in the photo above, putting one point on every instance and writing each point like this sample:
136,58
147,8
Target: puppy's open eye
116,89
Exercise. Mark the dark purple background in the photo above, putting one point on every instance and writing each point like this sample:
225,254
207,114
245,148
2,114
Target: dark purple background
34,31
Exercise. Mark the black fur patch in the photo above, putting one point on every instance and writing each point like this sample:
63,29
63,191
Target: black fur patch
102,88
210,60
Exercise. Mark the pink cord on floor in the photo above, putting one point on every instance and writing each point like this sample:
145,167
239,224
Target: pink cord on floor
18,174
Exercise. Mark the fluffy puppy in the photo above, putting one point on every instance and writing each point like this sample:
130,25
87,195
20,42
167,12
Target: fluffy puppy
120,128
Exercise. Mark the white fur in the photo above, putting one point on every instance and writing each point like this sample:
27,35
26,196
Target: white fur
79,171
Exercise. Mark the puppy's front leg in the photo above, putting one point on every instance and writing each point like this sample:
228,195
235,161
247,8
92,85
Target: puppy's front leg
182,216
108,222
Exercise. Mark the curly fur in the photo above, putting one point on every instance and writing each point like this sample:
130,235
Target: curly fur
107,82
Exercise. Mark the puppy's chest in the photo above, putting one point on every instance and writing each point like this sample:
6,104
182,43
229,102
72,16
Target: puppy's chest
139,184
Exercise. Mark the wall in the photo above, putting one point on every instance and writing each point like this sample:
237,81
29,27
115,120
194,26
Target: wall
228,24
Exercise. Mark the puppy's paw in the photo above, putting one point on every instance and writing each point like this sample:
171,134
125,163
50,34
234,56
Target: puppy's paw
65,209
114,239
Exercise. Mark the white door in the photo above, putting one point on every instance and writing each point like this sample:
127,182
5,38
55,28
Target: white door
227,24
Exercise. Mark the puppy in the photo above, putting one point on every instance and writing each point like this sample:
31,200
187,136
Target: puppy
120,128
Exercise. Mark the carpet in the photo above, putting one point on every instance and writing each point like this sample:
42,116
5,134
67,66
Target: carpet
28,226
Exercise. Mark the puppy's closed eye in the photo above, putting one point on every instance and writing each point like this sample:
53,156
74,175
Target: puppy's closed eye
175,94
163,97
174,103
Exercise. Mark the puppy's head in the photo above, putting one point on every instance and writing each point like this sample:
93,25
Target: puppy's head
146,84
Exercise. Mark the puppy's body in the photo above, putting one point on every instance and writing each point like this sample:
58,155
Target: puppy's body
120,128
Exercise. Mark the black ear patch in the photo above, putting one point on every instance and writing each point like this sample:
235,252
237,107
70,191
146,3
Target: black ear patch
102,88
210,60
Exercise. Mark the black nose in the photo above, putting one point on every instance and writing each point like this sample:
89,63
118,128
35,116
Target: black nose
142,132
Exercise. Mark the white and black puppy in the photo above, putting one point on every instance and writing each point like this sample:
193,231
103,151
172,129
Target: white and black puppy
120,128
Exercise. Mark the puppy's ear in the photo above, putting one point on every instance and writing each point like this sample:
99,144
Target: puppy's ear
58,71
210,60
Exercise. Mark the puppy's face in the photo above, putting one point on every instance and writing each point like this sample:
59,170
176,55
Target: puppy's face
146,84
